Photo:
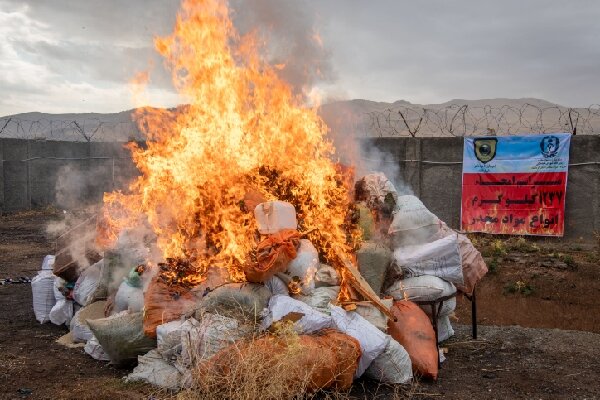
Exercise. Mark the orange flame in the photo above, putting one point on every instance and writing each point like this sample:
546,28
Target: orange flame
242,131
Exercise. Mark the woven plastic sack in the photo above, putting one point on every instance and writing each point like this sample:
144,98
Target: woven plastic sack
373,261
420,288
305,318
273,255
327,276
122,337
164,303
153,369
79,323
87,284
245,300
413,223
372,340
62,312
392,366
42,288
320,298
413,330
304,266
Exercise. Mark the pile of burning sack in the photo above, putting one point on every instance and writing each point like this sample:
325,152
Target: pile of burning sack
122,311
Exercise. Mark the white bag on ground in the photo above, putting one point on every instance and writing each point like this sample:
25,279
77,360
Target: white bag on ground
304,266
212,333
274,216
94,350
420,288
128,298
62,312
327,276
153,369
307,319
168,337
445,330
372,341
277,286
320,298
413,223
48,263
79,326
392,366
440,258
87,283
42,288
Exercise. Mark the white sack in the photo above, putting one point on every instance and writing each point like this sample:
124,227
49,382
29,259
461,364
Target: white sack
412,223
62,312
79,326
277,286
168,337
42,288
445,330
87,283
153,369
93,349
128,298
305,265
212,333
420,288
372,341
320,298
281,306
48,263
392,366
374,315
274,216
327,276
440,258
379,186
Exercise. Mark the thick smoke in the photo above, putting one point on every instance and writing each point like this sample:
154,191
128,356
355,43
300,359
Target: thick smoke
291,31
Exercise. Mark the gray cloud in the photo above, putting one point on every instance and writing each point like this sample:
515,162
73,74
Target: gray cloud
69,55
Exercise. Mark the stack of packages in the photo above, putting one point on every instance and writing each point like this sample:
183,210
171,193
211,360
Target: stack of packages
128,312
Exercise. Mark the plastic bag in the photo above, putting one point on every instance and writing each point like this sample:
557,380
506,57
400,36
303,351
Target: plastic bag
392,366
413,330
42,288
320,298
128,298
373,260
413,223
305,318
94,350
444,327
87,284
208,336
153,369
122,337
79,325
275,216
372,341
327,276
273,255
304,266
277,286
374,315
440,258
48,263
473,265
421,288
62,312
168,337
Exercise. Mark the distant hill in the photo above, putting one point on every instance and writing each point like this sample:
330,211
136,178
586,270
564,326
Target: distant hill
351,117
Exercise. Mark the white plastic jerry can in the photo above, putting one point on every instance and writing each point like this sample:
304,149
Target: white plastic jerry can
274,216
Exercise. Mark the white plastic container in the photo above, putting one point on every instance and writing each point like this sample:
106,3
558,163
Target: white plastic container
274,216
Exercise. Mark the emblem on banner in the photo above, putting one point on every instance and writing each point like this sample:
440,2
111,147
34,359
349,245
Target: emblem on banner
485,149
549,146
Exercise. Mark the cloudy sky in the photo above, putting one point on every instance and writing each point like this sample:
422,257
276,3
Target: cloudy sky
78,55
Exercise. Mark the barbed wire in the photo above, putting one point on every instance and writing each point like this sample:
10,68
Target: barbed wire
466,120
79,130
412,121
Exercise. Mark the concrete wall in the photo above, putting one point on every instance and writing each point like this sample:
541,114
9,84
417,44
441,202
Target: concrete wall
431,167
39,173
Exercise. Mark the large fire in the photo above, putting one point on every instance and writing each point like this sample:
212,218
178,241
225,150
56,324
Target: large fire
243,136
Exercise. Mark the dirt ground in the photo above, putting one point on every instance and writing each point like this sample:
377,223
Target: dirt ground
542,284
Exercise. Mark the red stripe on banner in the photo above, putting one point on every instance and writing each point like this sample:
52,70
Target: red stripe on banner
514,203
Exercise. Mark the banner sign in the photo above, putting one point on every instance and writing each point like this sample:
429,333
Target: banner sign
515,184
